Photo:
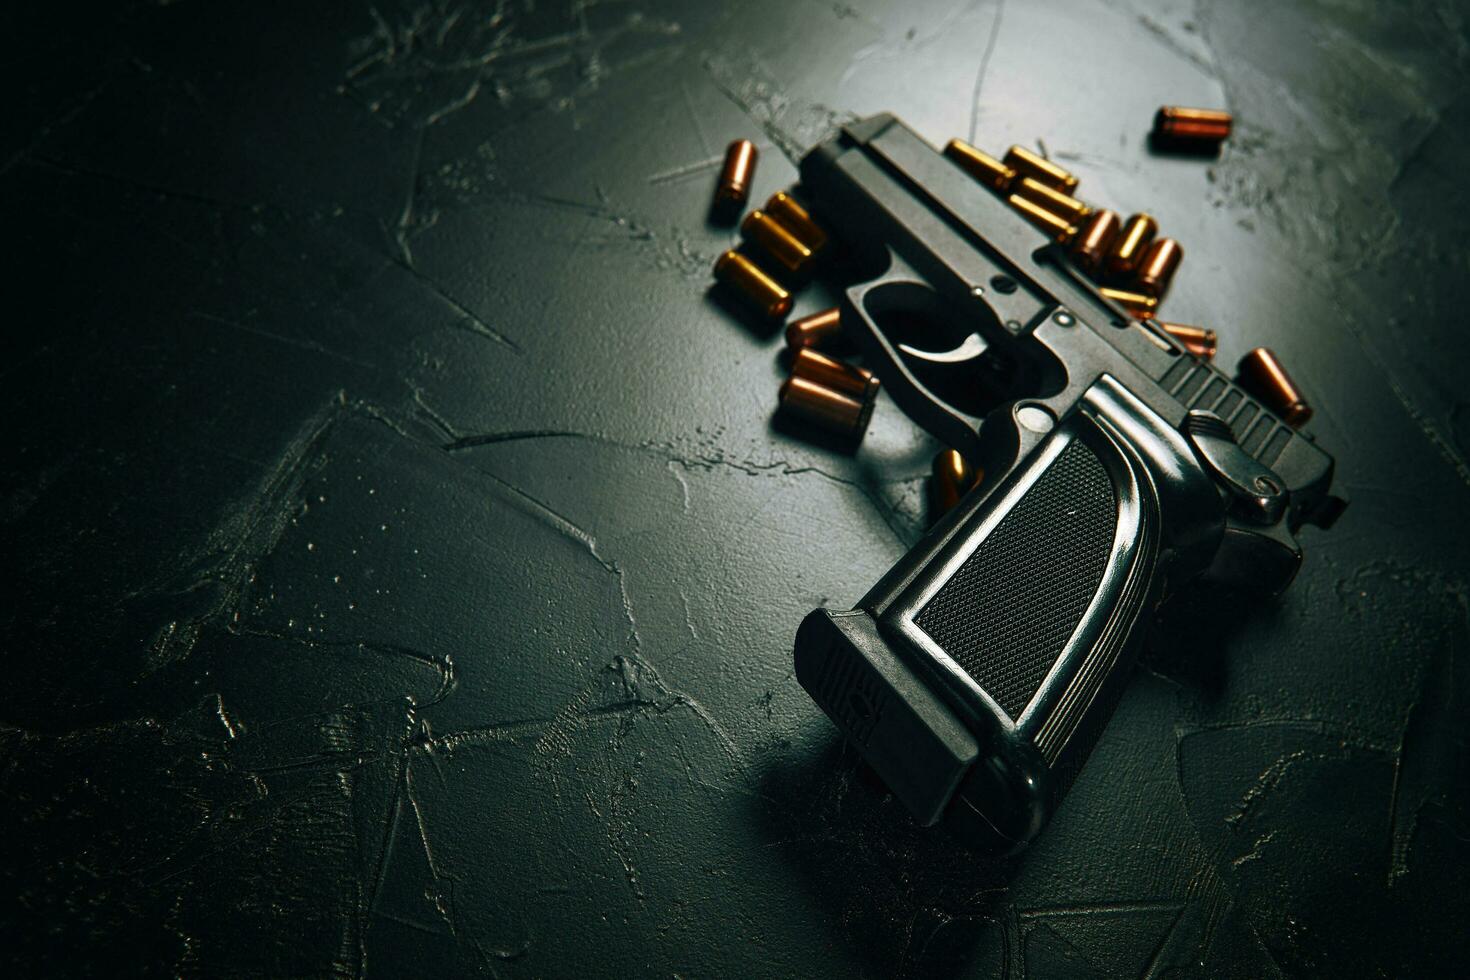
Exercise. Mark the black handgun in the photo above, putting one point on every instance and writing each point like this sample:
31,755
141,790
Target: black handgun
977,675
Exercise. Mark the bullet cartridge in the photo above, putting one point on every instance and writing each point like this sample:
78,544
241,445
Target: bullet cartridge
980,165
1128,248
1040,169
820,405
1054,225
1156,268
1260,372
736,174
1140,305
753,285
843,378
790,252
952,478
1177,123
1095,238
797,220
818,330
1059,204
1200,342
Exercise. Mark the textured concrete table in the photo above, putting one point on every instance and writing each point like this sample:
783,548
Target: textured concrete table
404,565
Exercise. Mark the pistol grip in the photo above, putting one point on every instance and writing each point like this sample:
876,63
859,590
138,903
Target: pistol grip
1019,619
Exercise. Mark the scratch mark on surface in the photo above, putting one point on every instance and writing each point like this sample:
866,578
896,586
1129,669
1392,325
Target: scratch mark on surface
467,319
1000,7
687,170
792,125
405,216
454,105
300,343
443,896
694,119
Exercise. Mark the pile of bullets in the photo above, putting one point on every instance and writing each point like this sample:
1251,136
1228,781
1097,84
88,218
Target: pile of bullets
781,246
1131,265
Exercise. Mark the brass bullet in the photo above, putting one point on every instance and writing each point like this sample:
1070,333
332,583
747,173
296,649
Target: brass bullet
1062,205
1140,305
790,252
952,478
1093,241
1128,248
760,290
796,219
843,378
1200,342
822,406
1261,373
736,175
1156,269
980,165
1178,123
1054,225
822,329
1039,169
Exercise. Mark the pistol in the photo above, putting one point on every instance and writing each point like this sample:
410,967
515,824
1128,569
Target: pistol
977,674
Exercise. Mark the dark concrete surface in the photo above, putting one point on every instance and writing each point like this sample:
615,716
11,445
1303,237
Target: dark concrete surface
404,565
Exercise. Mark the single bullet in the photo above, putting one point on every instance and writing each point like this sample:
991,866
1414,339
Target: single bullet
1128,248
822,406
846,379
760,290
1094,239
980,165
1177,123
1062,205
1200,342
790,252
1140,305
1156,269
1261,374
1039,169
952,478
735,176
1054,225
797,220
819,330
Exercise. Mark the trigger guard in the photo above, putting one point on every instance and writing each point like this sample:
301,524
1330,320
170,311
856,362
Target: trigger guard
1255,557
900,290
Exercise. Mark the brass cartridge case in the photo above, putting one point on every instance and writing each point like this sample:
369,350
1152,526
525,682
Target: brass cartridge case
1040,169
980,165
1128,248
1140,305
819,330
1156,268
822,406
736,174
753,285
790,252
952,478
1260,372
843,378
1095,238
1200,342
1181,124
1054,225
797,220
1062,205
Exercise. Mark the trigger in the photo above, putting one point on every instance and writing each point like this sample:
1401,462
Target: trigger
970,348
